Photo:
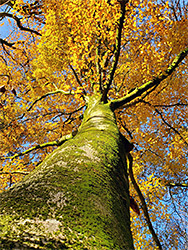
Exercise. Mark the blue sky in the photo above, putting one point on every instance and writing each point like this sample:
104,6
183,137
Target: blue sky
4,29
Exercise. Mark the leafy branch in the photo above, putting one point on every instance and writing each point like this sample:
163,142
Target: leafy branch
115,104
178,104
46,95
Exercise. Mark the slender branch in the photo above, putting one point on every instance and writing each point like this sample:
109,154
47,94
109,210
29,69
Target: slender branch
2,2
144,206
40,146
176,184
115,104
56,113
44,145
14,172
165,122
98,65
77,79
11,45
5,75
171,105
19,24
117,49
170,126
48,94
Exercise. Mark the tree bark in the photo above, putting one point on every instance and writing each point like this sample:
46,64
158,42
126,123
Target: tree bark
78,198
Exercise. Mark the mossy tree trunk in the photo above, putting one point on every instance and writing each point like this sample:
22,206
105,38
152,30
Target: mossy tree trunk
78,198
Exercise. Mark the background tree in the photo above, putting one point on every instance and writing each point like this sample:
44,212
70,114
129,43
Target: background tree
57,53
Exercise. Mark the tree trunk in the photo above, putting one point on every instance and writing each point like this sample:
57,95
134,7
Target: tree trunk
78,197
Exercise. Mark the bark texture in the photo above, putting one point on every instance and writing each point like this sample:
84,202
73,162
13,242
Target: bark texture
78,197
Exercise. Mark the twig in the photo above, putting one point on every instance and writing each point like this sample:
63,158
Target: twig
2,2
165,122
171,105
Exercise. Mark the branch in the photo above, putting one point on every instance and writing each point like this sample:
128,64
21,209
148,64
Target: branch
2,2
19,23
115,104
176,184
49,93
98,65
2,41
14,172
144,206
175,130
77,79
44,145
165,122
178,104
117,49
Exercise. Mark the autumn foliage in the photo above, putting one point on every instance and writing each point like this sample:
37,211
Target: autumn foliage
55,52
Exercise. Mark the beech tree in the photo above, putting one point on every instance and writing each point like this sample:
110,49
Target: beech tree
93,110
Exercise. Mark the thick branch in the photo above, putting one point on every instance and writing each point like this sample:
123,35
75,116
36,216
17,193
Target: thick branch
115,104
144,206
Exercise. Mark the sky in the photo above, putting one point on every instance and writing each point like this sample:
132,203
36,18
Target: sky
4,25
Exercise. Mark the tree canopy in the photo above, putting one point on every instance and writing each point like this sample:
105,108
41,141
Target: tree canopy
56,53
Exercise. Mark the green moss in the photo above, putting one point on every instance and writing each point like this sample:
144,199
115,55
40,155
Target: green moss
81,186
